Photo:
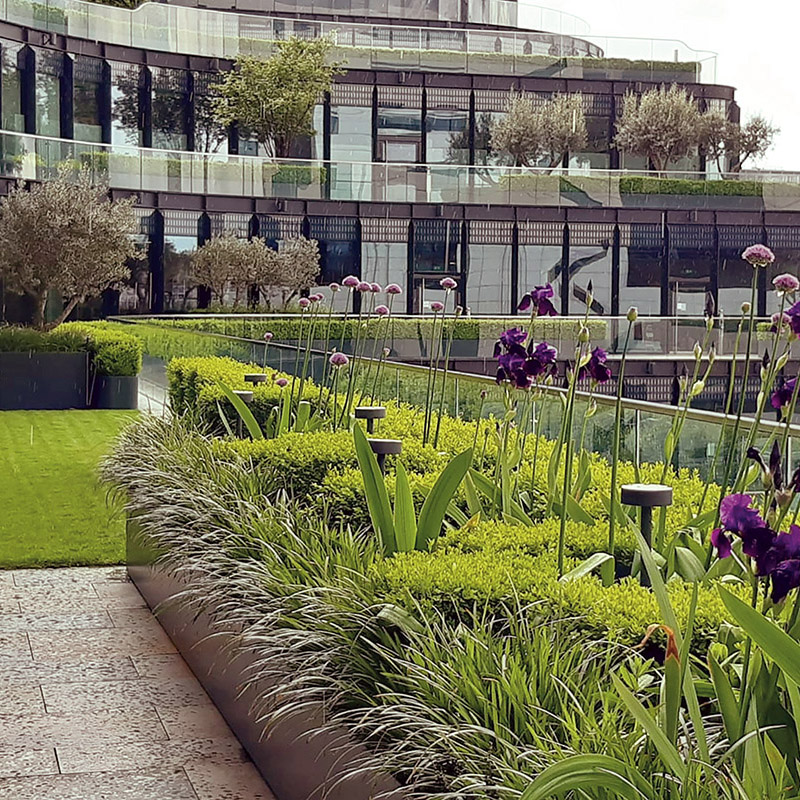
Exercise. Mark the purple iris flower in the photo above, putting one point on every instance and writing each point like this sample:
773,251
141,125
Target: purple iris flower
539,298
596,368
793,313
785,577
736,514
782,395
721,542
541,359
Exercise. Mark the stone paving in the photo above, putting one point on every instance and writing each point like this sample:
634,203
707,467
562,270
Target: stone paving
96,704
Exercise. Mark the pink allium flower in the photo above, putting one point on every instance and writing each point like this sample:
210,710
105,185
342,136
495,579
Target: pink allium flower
784,319
786,283
381,311
316,298
364,286
375,287
448,284
268,336
758,255
281,382
304,303
338,360
334,287
436,306
393,288
351,282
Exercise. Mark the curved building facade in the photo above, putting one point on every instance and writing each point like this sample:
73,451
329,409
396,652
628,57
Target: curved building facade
399,183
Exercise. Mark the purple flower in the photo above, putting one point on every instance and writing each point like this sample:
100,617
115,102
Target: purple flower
758,255
782,395
381,311
316,298
268,336
508,338
793,313
448,284
539,298
363,286
375,288
334,287
393,288
786,283
281,382
338,360
596,368
780,321
541,359
721,542
736,514
785,577
436,306
304,303
351,282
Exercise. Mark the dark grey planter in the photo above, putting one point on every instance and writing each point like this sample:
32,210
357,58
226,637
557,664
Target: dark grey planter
116,391
295,764
43,381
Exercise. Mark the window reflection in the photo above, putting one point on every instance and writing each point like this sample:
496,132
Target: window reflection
170,108
87,98
179,291
489,278
13,119
437,245
691,262
640,268
49,70
209,135
127,83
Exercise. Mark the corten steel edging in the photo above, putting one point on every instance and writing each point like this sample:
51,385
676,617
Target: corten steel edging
295,764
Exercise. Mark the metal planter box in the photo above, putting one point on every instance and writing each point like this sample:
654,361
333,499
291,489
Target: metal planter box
43,381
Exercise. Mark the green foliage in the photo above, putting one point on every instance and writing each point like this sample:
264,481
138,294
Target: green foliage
112,352
642,184
275,98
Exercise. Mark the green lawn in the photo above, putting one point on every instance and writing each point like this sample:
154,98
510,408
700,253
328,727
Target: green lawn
53,510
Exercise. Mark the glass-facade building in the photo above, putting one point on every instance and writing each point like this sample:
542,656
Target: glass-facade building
399,182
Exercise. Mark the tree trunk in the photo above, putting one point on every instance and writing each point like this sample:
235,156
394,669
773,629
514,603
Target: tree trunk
39,306
66,311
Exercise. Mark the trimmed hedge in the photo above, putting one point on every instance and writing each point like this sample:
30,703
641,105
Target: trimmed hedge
112,352
417,328
642,184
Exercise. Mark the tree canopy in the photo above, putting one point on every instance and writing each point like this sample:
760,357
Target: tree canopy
274,98
64,235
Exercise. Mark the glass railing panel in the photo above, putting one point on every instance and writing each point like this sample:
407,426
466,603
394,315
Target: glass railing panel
124,168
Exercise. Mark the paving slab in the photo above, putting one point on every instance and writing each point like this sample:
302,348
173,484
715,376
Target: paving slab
96,703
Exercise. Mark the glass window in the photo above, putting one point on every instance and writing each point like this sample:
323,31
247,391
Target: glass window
489,278
384,263
447,137
127,82
640,268
691,262
170,108
590,253
735,274
351,133
178,286
49,69
339,246
540,253
595,154
484,153
437,246
785,242
13,119
87,98
209,135
399,134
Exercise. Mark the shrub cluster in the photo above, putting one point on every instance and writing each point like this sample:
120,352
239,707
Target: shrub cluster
112,352
643,184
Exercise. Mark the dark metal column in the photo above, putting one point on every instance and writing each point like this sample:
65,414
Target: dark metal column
66,94
155,256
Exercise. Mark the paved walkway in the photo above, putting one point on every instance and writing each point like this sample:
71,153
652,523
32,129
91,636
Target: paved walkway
96,704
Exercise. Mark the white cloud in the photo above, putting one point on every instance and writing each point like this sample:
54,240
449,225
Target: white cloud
757,46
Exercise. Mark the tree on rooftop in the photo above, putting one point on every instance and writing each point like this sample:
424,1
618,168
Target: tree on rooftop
226,260
721,138
274,98
661,124
296,267
531,130
65,236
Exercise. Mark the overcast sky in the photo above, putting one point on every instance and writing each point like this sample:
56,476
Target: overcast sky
757,46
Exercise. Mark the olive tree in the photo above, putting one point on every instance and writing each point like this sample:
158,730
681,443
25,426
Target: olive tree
532,130
295,267
722,138
662,124
64,236
274,98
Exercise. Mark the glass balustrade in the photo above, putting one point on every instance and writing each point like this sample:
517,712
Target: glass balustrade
146,169
553,50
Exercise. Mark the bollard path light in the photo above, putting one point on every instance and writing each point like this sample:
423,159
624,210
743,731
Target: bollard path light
255,377
370,414
383,448
646,496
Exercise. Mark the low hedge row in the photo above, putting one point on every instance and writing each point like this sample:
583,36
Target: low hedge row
418,328
643,184
113,352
